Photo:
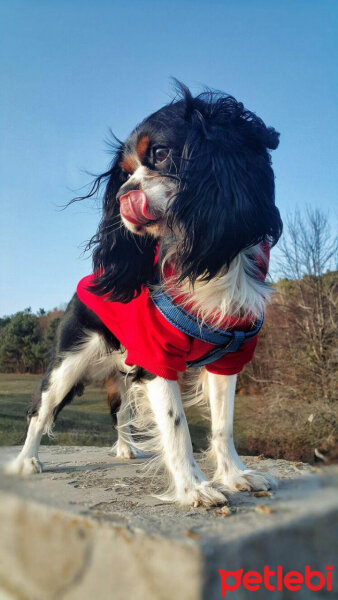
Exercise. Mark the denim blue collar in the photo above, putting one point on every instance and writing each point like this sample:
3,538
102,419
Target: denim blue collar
224,341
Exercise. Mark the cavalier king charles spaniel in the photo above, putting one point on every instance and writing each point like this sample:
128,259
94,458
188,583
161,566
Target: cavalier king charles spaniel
188,216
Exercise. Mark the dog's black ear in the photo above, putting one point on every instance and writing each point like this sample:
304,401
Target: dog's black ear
123,263
186,97
226,199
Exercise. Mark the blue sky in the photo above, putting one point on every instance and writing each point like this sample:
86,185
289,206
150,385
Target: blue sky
72,69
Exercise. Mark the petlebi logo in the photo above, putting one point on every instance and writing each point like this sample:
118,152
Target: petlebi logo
276,579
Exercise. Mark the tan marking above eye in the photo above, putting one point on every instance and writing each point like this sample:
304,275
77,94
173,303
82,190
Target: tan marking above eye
129,164
142,147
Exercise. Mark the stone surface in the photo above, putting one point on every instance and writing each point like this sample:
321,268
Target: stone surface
89,527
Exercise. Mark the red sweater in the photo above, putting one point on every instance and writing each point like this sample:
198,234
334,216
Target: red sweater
155,344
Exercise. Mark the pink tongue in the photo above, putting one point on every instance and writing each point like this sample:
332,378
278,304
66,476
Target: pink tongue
133,207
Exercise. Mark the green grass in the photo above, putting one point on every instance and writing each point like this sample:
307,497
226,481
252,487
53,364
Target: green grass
85,422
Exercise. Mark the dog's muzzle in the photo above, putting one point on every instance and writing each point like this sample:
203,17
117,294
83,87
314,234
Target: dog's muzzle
133,207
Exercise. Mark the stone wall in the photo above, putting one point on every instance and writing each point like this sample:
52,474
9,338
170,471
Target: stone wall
88,528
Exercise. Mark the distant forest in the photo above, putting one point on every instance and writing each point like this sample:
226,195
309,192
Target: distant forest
26,339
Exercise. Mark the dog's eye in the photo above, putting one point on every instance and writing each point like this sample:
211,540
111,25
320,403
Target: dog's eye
160,154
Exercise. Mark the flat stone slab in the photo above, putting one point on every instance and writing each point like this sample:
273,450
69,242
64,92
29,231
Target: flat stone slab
89,527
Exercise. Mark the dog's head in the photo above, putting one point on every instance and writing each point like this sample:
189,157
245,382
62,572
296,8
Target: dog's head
197,175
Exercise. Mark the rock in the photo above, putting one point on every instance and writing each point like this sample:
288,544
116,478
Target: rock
88,528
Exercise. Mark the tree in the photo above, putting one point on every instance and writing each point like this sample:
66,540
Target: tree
308,251
26,340
19,340
296,360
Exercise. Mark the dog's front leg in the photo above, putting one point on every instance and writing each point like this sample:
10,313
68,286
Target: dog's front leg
190,484
230,471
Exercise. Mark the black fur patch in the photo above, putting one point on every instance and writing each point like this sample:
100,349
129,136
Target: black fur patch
70,333
142,375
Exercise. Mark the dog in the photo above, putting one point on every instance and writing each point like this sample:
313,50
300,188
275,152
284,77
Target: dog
188,220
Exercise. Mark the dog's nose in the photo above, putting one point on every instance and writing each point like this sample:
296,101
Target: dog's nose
125,189
133,207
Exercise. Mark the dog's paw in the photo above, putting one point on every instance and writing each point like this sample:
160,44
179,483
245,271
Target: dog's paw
23,466
125,451
203,494
248,480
